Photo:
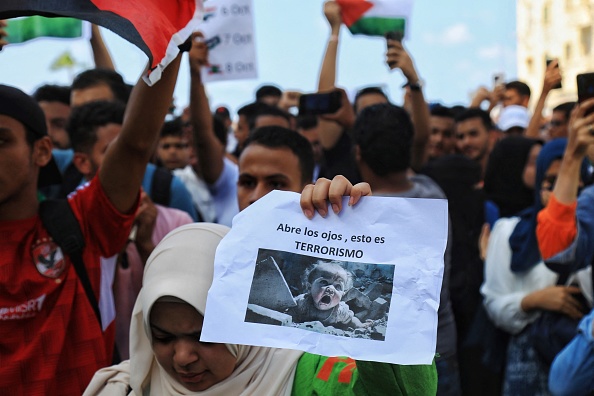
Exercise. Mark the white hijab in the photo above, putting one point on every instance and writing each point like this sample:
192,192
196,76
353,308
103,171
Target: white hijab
182,266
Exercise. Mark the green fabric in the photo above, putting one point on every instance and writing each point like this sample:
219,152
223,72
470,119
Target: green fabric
376,26
24,29
321,375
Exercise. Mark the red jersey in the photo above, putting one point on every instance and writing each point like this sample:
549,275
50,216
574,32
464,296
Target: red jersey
50,340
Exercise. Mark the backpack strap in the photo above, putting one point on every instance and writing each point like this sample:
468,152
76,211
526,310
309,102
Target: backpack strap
71,179
161,186
59,221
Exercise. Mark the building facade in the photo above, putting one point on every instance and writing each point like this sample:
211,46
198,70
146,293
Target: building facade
561,29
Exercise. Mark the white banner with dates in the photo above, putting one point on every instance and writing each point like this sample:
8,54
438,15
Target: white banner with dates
228,28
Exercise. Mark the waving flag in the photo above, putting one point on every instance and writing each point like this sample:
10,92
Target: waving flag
157,27
375,17
24,29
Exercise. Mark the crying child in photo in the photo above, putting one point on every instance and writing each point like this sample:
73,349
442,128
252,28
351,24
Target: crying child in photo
326,283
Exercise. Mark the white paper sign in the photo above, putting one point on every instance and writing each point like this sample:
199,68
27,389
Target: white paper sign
228,28
364,283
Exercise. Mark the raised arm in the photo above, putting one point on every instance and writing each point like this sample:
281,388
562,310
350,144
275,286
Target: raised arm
557,227
125,162
209,150
552,77
581,136
101,54
327,78
399,58
330,129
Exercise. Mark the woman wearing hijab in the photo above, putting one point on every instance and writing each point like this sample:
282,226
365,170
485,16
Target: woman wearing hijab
167,357
518,286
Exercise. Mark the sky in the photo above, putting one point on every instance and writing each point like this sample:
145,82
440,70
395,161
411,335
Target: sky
457,46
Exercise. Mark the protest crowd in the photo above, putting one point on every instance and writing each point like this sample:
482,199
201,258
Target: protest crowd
94,294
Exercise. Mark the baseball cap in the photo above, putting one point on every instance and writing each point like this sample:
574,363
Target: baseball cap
513,116
16,104
222,111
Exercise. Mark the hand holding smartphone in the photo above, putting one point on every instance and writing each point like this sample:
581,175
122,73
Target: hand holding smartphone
548,62
320,103
397,36
585,86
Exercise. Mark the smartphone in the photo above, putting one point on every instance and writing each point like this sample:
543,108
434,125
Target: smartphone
393,35
585,87
320,103
498,78
548,62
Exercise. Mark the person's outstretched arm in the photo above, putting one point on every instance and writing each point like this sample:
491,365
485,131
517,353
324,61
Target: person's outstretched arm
101,54
557,227
331,128
125,162
399,58
327,78
209,150
552,77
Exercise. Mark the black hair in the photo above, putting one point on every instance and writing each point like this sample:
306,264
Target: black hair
254,110
249,112
268,90
279,137
441,111
384,135
368,91
172,128
93,77
565,108
267,110
457,109
85,119
219,130
521,87
307,122
52,93
476,112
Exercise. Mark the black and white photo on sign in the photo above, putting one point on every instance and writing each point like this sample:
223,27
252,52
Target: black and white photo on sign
341,298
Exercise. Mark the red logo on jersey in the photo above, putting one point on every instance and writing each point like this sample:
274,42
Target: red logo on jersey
48,258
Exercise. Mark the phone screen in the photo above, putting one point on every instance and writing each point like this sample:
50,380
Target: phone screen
585,85
319,103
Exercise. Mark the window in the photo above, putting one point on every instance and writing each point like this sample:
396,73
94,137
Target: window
586,40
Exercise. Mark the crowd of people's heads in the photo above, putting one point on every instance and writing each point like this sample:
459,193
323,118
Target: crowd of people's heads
497,165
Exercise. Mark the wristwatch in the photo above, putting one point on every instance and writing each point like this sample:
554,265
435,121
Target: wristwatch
415,87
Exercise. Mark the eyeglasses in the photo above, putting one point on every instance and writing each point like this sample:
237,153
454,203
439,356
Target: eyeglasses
179,146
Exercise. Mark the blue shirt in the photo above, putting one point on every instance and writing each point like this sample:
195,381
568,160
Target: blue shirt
180,196
572,371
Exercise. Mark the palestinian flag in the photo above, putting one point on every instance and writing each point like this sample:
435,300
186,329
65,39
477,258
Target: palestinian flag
24,29
375,17
157,27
